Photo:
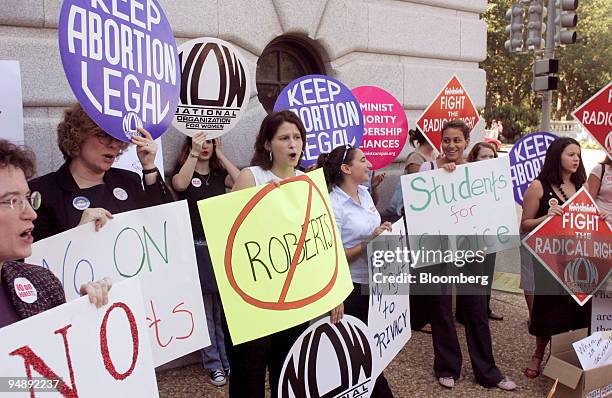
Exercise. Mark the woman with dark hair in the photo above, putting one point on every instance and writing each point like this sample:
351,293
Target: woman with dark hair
554,311
86,188
345,169
278,149
203,171
447,352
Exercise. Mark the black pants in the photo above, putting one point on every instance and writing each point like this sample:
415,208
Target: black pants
249,361
447,351
357,304
489,270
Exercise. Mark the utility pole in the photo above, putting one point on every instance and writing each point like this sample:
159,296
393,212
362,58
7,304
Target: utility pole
549,53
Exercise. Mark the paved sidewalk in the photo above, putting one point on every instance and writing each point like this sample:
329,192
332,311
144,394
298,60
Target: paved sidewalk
411,373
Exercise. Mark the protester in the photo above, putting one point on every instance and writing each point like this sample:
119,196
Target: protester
17,214
345,169
483,151
420,307
278,150
600,187
423,152
554,311
202,171
447,352
86,188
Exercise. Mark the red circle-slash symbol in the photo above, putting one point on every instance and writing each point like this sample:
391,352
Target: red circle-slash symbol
281,304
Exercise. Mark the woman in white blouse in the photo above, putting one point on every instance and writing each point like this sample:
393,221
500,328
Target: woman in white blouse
358,220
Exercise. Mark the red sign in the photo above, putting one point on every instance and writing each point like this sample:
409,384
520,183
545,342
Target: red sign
576,247
595,115
453,102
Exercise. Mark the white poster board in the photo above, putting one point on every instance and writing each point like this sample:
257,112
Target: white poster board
129,160
154,244
601,310
389,312
469,209
101,352
11,102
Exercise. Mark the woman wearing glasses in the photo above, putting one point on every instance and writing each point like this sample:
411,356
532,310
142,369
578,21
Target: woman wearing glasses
86,188
358,220
17,205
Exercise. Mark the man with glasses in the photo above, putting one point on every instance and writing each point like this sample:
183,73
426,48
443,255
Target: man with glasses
25,289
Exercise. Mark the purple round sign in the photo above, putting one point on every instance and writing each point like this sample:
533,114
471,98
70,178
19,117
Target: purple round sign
526,160
330,113
122,64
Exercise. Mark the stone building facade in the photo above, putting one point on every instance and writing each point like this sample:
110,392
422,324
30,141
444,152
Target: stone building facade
409,48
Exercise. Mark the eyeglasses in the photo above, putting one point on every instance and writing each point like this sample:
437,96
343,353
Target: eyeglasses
107,139
21,202
346,149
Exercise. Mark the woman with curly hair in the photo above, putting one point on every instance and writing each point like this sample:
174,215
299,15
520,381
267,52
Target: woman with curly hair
86,188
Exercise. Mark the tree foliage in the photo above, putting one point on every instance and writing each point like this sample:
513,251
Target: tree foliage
585,67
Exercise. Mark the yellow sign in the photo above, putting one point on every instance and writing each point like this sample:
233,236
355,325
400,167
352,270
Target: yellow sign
277,255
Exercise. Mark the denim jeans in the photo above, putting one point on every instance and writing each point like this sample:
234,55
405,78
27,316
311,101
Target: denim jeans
214,356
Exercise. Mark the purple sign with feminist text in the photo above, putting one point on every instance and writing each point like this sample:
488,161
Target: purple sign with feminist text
330,113
526,160
121,61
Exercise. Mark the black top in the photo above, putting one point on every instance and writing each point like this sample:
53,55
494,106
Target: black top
202,186
63,201
549,194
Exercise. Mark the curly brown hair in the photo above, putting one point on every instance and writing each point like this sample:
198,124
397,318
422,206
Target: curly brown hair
74,129
476,150
20,157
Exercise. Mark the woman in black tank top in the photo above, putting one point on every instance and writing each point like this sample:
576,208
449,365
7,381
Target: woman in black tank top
554,311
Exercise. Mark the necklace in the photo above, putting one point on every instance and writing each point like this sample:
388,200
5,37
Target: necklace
560,190
207,178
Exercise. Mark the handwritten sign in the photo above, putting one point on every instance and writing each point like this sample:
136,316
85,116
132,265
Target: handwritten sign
11,105
453,102
83,351
121,61
277,255
595,350
446,212
389,312
330,113
526,161
386,126
215,87
601,311
330,360
576,248
154,245
596,117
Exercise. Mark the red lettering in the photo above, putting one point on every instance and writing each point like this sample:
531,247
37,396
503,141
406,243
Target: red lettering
175,311
33,361
154,322
110,367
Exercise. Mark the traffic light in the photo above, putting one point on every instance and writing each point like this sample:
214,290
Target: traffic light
535,25
514,29
543,71
565,17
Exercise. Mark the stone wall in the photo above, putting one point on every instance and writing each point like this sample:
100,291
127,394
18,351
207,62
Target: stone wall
409,48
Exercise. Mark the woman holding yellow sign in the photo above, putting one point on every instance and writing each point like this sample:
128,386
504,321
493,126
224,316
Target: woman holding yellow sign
278,150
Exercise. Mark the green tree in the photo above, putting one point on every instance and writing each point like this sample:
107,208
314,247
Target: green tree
585,67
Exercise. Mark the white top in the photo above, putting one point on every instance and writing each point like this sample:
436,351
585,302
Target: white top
356,224
265,176
604,199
